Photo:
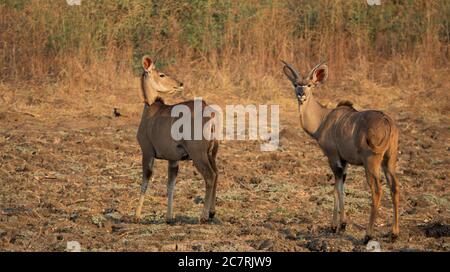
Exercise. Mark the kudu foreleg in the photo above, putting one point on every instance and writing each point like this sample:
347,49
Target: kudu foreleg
147,174
212,208
339,171
172,174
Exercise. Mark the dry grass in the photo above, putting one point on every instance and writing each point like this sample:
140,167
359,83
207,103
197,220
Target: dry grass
236,41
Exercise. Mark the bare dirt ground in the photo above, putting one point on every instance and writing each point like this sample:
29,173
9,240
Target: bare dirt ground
71,170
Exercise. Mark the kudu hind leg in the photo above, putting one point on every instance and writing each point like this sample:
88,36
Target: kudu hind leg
342,194
335,221
172,175
147,174
212,160
391,178
205,168
372,167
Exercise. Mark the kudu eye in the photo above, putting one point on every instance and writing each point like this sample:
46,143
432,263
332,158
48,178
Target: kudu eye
162,75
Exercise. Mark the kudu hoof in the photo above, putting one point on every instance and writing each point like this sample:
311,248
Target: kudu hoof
343,226
334,229
366,239
170,221
137,219
394,237
211,215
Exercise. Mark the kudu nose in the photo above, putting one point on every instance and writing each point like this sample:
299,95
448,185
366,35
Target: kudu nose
299,91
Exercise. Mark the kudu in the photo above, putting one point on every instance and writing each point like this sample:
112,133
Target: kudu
347,136
156,142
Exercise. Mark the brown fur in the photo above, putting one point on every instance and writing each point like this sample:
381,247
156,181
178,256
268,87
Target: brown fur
345,103
154,137
347,136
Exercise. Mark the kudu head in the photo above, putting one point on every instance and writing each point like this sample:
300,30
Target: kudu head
304,86
155,81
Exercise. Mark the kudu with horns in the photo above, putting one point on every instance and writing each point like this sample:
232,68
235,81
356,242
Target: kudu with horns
347,136
156,141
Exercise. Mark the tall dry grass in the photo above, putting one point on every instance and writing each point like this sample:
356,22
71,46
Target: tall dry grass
223,43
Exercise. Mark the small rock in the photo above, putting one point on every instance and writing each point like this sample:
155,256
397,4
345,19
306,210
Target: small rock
197,247
289,234
265,244
115,216
318,245
73,246
373,246
269,226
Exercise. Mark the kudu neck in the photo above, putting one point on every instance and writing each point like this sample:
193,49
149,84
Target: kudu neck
150,95
312,114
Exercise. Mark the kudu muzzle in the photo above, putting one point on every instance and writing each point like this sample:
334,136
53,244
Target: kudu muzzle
299,92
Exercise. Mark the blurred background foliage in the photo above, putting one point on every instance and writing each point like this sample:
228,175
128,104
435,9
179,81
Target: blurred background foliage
47,40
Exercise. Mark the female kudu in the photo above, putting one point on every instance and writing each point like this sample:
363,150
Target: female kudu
347,136
155,138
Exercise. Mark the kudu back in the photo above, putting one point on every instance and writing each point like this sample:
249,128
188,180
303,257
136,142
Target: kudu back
347,136
156,141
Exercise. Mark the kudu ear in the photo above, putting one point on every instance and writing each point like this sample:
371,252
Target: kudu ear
147,62
290,73
319,74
